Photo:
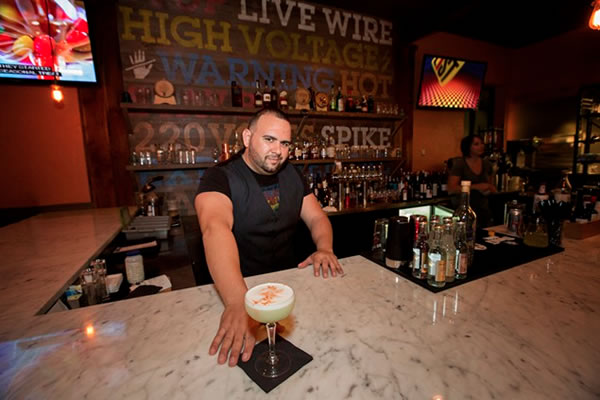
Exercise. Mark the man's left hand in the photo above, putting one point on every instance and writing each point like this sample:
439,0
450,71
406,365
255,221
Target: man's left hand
324,261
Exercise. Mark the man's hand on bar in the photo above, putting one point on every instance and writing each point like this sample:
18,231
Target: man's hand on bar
236,331
323,261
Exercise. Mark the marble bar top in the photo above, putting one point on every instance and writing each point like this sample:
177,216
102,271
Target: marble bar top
42,255
529,332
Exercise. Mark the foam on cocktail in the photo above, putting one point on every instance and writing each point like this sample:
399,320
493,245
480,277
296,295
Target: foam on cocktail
269,302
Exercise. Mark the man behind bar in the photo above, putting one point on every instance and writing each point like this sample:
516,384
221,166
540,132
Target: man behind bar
248,208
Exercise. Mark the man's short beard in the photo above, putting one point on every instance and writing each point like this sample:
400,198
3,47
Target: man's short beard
263,164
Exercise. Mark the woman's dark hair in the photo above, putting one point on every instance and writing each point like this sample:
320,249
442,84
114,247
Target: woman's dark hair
465,144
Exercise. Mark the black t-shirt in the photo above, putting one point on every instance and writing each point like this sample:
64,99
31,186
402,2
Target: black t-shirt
215,180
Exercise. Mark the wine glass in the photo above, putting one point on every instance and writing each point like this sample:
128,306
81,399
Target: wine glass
268,303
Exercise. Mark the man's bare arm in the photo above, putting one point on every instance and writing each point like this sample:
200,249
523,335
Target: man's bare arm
322,234
215,216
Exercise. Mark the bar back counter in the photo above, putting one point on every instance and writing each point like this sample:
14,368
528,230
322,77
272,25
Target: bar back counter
525,333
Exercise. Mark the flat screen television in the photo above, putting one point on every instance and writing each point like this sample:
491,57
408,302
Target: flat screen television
44,39
450,83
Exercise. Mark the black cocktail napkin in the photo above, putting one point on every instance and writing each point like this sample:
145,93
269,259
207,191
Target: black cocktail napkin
298,358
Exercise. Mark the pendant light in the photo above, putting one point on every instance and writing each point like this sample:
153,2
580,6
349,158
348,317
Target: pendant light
55,90
595,17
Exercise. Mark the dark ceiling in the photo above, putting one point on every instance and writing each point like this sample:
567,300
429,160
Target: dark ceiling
507,23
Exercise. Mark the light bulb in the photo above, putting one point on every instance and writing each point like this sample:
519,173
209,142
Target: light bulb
595,17
57,94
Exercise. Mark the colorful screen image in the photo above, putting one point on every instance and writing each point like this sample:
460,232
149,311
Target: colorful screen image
450,83
45,40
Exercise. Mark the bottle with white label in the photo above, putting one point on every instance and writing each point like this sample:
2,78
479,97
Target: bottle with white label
464,213
420,250
448,245
462,250
436,260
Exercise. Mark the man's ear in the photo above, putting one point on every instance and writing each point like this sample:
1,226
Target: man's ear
246,134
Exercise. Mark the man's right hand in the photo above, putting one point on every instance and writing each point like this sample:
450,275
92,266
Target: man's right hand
236,330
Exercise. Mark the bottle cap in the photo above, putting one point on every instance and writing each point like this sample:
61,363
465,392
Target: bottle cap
465,183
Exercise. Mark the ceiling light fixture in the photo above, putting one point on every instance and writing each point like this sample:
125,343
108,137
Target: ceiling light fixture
595,17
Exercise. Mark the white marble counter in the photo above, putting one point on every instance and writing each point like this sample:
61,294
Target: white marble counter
526,333
41,255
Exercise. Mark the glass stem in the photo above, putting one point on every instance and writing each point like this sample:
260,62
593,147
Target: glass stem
272,358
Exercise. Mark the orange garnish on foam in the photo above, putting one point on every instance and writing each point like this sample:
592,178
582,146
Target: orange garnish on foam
268,294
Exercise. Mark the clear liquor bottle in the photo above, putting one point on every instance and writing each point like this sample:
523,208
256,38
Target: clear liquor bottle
464,213
420,251
436,260
462,250
450,248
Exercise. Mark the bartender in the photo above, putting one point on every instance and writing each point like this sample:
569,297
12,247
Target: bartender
472,167
248,208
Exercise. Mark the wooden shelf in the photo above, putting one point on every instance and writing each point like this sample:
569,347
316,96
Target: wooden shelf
345,160
169,167
203,165
181,109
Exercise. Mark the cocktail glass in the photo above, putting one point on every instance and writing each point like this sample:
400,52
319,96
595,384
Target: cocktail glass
269,303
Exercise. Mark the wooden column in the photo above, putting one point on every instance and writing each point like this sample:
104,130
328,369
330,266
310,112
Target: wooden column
104,128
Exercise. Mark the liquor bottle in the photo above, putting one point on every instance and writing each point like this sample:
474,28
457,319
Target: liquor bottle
364,105
237,145
444,181
436,260
349,101
340,100
236,95
306,150
322,149
274,95
404,190
298,150
314,150
420,251
347,196
332,99
266,95
450,249
538,197
310,181
283,97
331,148
311,99
462,250
258,98
317,187
464,213
370,104
429,189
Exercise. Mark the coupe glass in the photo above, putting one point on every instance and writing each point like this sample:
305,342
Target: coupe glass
269,303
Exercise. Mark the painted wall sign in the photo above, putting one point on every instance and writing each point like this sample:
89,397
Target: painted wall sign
201,46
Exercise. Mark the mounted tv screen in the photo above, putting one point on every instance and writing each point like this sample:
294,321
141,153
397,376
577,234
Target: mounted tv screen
44,39
450,83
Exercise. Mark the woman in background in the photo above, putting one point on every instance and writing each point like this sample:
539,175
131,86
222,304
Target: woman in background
472,167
